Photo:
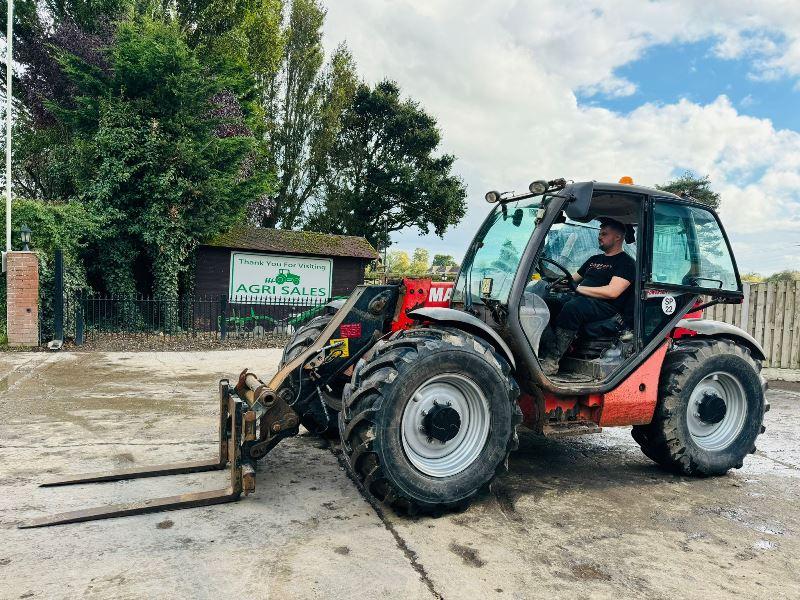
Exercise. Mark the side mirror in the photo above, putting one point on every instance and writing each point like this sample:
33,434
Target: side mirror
580,195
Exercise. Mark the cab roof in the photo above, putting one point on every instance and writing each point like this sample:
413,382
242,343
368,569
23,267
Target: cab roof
600,186
620,201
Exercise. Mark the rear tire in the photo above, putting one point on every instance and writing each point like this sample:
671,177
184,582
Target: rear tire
315,418
389,405
710,410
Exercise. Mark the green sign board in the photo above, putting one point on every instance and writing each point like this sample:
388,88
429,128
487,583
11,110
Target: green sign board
279,277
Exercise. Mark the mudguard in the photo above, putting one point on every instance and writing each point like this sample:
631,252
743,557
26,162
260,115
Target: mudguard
467,322
720,329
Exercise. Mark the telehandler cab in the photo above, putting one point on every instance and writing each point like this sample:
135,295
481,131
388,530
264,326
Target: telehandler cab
427,399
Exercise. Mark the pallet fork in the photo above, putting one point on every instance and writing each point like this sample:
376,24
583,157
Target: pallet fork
254,416
238,449
231,418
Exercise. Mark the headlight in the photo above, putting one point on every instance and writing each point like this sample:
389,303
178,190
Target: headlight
492,196
538,187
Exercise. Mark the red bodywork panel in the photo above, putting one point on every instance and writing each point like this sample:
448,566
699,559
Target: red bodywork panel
419,293
632,402
680,332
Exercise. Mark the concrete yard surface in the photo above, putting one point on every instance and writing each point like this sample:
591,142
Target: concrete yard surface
585,517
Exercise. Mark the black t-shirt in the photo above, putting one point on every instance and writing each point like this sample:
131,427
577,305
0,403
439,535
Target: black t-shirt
598,271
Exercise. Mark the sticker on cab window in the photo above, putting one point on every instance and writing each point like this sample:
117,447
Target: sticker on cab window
668,305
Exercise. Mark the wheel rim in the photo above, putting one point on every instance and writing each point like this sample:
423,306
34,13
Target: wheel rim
717,411
434,457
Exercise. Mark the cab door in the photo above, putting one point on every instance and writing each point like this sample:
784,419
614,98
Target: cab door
688,255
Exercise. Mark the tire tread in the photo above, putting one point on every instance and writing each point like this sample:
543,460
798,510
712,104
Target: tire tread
372,380
661,440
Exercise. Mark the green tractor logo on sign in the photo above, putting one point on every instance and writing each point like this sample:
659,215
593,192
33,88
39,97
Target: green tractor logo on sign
285,275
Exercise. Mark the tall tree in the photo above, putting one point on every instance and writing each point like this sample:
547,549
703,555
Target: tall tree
443,260
384,173
239,32
156,143
788,275
419,261
398,262
752,277
697,187
43,32
302,101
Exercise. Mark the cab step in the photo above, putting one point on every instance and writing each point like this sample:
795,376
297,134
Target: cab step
567,428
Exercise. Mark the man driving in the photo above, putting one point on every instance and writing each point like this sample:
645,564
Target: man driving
605,290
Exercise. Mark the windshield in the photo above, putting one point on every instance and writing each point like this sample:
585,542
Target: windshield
497,249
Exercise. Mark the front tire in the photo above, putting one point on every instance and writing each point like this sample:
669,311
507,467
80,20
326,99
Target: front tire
429,419
710,410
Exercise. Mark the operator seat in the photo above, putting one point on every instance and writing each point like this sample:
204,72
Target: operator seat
607,338
607,328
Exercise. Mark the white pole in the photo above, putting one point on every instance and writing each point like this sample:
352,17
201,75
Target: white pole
9,74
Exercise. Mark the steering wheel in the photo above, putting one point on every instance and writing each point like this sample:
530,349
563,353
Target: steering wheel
567,275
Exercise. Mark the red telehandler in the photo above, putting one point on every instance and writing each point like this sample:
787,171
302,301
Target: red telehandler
427,396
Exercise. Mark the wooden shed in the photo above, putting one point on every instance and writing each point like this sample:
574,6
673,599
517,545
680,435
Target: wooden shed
278,264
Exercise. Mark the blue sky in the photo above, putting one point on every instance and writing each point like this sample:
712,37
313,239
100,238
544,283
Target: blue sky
669,72
597,89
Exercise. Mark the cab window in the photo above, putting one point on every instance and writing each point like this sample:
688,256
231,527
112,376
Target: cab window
571,243
689,249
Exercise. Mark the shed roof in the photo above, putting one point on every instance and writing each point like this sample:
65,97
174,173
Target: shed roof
294,242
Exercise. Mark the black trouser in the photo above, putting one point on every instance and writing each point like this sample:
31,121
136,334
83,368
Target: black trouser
581,310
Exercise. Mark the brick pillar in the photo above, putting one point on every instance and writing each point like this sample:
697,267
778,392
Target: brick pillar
22,293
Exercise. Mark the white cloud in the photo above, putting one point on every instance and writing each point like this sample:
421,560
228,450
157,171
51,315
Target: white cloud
502,77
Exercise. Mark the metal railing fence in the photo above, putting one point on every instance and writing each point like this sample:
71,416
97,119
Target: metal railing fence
88,317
